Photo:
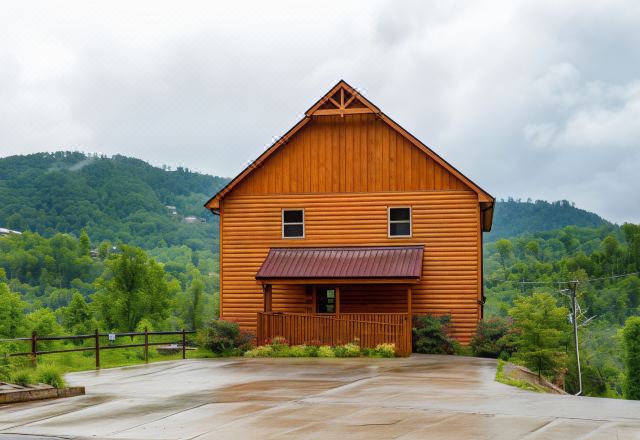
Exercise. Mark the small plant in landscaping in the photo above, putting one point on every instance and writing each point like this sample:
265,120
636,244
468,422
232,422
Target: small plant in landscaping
5,367
347,350
22,377
311,350
261,351
50,375
386,350
297,351
324,351
431,335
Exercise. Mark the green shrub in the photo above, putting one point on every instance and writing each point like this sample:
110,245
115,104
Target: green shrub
347,350
5,366
279,347
50,375
385,350
22,377
261,351
431,335
224,337
245,340
495,337
311,350
631,343
324,351
297,351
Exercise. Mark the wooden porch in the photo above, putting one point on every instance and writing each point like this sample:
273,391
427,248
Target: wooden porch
350,294
370,329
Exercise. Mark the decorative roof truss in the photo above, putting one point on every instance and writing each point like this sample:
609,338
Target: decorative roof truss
342,101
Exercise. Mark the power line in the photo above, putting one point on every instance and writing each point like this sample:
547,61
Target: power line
588,280
611,277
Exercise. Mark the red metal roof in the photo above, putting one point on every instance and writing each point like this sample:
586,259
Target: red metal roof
343,262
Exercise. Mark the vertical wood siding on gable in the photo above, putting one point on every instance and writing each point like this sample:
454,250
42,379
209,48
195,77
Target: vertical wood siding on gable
356,153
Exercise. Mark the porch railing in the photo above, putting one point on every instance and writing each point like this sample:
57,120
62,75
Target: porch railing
370,329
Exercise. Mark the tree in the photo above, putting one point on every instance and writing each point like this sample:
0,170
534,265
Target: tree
103,250
544,330
631,234
132,287
505,249
85,244
44,323
532,248
12,320
196,293
631,343
77,316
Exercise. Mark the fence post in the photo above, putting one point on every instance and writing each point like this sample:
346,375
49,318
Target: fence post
97,348
184,343
34,343
146,346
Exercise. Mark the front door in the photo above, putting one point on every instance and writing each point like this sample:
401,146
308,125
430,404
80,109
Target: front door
325,299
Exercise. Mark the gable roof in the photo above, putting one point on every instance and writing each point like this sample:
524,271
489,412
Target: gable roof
343,99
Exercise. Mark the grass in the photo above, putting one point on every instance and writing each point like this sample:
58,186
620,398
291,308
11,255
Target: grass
83,361
502,378
50,368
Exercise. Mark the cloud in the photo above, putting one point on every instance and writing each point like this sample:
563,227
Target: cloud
582,114
532,99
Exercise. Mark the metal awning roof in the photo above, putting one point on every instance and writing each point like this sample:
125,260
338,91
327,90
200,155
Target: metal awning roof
382,262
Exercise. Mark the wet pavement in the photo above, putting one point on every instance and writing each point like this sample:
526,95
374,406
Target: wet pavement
434,397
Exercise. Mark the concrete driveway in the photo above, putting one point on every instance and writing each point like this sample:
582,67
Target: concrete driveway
435,397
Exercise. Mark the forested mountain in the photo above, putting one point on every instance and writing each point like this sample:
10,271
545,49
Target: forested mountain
515,217
120,199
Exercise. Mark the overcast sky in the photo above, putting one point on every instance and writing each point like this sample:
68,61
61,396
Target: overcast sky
535,99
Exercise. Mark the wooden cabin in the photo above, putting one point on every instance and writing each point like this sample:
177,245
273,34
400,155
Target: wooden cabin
346,227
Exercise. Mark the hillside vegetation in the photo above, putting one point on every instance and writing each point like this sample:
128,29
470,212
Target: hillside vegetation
90,220
119,199
605,261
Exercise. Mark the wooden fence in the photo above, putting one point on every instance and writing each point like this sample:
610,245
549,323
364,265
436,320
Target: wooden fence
96,347
370,329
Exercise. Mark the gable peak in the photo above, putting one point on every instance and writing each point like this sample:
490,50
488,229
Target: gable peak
342,99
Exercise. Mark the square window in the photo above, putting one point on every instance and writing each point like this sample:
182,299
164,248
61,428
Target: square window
400,222
292,223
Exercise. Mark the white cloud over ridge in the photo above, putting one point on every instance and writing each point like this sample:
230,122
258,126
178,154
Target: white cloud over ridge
533,99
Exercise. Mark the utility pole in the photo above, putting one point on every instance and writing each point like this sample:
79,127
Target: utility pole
573,286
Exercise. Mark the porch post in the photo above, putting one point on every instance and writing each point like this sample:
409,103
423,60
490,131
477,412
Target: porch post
337,300
409,324
315,299
267,297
